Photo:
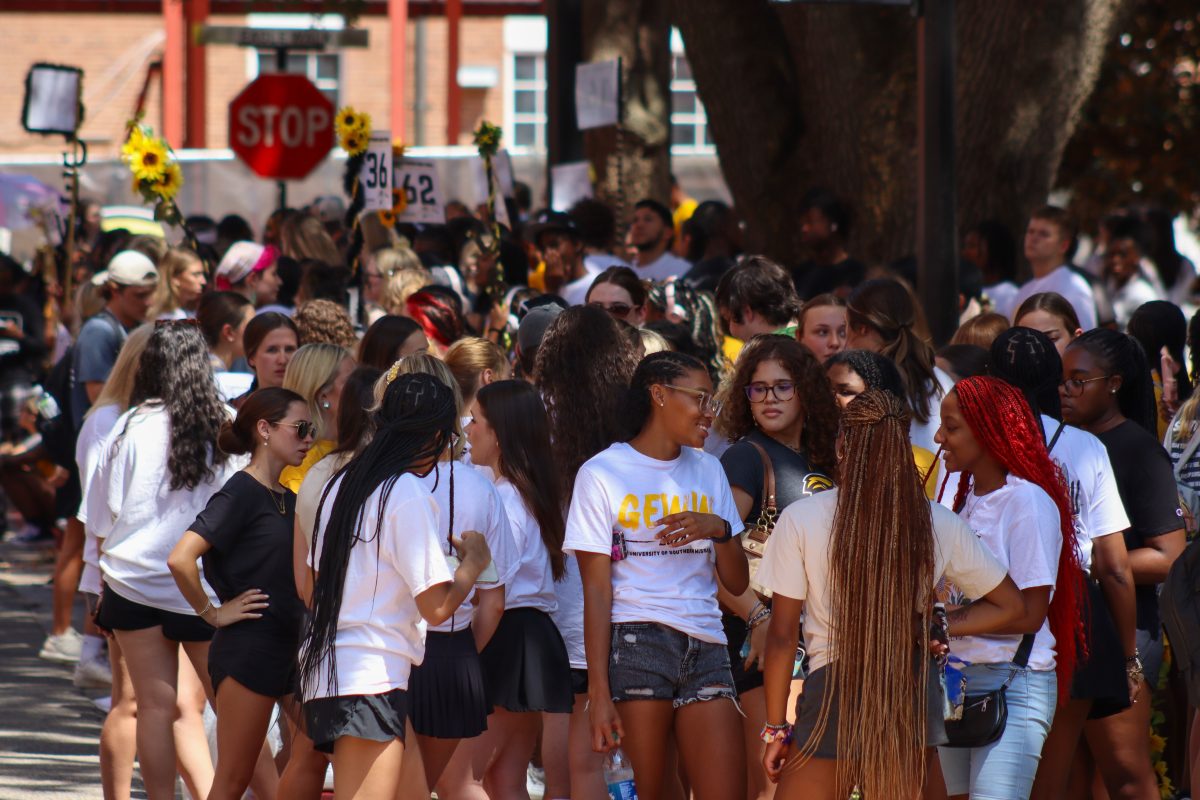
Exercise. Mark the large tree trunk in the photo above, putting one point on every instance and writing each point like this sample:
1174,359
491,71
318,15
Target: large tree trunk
635,163
803,95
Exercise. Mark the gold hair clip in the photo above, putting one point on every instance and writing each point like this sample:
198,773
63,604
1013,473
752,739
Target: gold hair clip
393,372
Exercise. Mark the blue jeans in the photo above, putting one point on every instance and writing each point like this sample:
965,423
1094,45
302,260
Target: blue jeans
1005,769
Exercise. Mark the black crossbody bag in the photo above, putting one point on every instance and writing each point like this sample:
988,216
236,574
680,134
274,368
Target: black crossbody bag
984,715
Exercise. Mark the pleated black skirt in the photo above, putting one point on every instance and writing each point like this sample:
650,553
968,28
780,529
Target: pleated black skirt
525,665
446,694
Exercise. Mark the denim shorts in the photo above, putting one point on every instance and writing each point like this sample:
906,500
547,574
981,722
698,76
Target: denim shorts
1005,769
648,661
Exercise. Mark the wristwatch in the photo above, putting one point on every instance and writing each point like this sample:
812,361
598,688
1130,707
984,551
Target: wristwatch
728,533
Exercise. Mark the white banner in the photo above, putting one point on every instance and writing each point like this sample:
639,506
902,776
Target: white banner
375,178
419,182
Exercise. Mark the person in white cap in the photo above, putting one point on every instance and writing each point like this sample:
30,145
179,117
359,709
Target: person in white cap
129,283
248,268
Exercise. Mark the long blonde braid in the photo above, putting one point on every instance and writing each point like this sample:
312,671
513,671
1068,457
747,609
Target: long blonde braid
881,584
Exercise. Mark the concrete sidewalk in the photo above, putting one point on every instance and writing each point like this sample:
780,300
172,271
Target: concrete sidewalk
49,730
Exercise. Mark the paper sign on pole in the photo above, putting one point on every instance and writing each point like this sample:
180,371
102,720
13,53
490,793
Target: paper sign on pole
598,94
375,177
419,182
570,183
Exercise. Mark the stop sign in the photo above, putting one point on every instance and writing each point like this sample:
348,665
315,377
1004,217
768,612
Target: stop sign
281,126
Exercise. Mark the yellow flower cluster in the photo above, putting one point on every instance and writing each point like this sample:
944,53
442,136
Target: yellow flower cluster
487,138
353,130
156,175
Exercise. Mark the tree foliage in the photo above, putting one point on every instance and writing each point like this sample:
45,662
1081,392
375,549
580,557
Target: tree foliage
1139,138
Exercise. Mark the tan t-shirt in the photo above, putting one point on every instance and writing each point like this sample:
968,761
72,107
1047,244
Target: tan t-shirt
796,563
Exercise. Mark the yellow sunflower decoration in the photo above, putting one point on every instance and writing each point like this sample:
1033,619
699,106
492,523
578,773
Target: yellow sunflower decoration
353,130
387,217
157,176
399,202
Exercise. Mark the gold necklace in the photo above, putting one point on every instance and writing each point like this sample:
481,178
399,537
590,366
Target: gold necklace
279,500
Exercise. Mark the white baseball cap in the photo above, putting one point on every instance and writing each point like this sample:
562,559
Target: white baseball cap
128,268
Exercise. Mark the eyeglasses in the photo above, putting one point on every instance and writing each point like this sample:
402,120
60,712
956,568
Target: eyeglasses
304,428
619,310
783,391
708,404
1073,387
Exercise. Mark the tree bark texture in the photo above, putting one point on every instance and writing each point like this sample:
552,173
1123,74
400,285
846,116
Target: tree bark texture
634,163
806,95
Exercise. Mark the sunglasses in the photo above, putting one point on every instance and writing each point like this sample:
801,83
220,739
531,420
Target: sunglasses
304,428
783,391
619,310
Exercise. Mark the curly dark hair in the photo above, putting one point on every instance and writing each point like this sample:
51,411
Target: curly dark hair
583,368
821,412
175,372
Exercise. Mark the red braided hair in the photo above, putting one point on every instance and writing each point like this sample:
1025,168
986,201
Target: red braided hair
1002,423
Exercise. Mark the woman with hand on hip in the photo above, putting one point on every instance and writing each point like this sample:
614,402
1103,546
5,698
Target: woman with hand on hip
244,536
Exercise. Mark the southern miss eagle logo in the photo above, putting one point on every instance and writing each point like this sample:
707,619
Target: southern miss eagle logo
816,482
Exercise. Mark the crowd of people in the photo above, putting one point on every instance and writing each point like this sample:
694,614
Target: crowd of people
477,510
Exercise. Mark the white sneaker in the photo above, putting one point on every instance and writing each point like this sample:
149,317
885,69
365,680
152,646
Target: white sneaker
63,648
95,673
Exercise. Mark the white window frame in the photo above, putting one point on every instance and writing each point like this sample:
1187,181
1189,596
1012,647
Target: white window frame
697,121
525,37
329,22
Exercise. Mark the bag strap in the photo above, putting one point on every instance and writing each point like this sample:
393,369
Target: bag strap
1054,438
1021,658
1188,450
768,494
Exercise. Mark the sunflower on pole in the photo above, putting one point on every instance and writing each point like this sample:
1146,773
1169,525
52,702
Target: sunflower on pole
157,176
353,130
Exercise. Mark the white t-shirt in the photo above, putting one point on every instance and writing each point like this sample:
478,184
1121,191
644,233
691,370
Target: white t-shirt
97,425
380,633
1091,485
312,488
1070,285
1003,296
796,563
668,265
131,506
231,385
568,617
477,507
1127,299
532,583
1019,524
619,496
922,433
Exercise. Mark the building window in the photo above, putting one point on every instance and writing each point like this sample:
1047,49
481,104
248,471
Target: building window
323,69
527,98
689,123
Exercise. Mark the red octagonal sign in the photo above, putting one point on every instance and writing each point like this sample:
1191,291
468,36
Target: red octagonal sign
281,126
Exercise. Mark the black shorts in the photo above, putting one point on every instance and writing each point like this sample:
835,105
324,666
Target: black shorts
579,681
262,660
447,694
117,613
1101,678
377,717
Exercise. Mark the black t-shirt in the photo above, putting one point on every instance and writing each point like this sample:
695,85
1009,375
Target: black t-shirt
812,279
252,549
1147,487
795,479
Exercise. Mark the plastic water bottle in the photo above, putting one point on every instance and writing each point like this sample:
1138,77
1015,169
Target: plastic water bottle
618,776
